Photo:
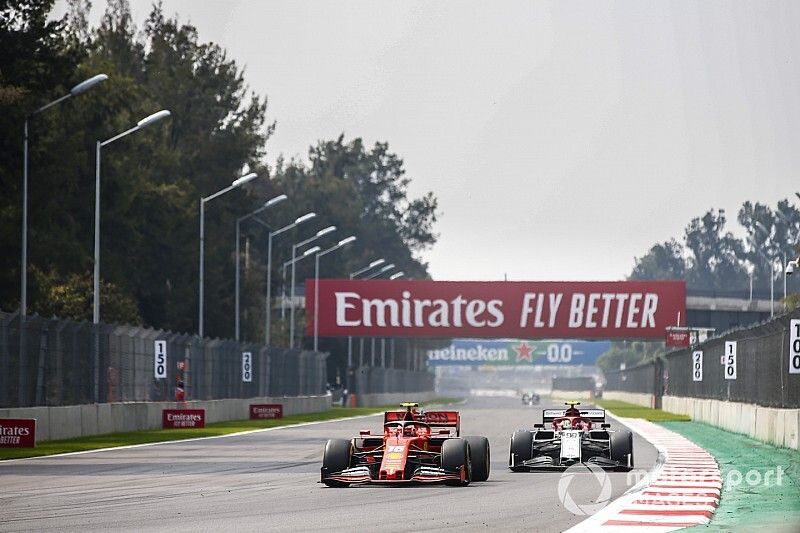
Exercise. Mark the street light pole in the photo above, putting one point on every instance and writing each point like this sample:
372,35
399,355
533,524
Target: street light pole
291,263
321,233
384,270
76,90
267,303
155,117
236,183
358,272
771,267
239,221
340,244
23,301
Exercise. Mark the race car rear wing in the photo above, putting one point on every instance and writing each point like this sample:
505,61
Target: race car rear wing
435,419
595,415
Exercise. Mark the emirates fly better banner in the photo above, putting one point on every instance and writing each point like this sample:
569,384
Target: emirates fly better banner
496,309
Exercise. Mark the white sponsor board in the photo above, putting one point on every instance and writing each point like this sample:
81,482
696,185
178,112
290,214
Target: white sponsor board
247,367
794,346
160,360
730,359
697,365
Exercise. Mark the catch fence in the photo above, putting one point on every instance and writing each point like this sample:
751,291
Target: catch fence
762,366
63,362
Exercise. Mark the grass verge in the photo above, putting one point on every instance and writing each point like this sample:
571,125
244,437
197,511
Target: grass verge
631,410
148,436
761,483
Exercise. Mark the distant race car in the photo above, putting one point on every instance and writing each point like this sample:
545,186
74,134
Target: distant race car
415,447
573,436
530,398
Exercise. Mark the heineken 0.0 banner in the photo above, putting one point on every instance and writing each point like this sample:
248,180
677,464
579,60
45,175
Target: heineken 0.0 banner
514,352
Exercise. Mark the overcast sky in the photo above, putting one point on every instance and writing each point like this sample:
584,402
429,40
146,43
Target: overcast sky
561,138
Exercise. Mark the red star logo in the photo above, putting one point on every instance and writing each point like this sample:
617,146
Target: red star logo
524,352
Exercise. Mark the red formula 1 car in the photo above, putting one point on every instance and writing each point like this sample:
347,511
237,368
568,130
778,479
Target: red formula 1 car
416,446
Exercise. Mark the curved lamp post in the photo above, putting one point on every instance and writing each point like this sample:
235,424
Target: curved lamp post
321,233
148,120
236,183
267,303
269,203
384,270
80,88
338,245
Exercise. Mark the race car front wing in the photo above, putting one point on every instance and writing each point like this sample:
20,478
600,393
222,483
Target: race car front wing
423,474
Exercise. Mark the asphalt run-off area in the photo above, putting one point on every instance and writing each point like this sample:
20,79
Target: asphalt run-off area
269,481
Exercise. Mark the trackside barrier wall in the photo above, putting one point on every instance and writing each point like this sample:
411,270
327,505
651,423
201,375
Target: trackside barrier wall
53,423
763,401
380,380
573,388
51,363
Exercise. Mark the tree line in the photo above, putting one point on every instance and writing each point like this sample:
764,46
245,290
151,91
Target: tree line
710,257
152,180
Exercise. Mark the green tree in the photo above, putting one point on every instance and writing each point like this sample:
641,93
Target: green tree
715,254
37,65
662,261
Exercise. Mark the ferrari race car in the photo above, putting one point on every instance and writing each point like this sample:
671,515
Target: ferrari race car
571,436
415,447
530,398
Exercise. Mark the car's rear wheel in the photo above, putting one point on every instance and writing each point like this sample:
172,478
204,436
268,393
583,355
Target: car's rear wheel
622,448
479,457
337,456
521,450
455,456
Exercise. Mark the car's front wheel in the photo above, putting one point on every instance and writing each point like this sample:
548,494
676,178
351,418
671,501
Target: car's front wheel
335,458
521,449
455,456
479,457
622,448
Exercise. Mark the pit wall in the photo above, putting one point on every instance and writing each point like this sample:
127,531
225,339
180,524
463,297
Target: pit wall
779,427
54,423
392,398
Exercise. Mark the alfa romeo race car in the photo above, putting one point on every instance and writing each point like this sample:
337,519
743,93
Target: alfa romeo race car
415,447
571,436
530,398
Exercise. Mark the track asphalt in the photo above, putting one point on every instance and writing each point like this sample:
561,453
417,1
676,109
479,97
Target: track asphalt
268,481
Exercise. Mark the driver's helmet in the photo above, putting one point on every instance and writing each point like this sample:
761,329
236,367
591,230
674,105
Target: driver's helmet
410,430
566,424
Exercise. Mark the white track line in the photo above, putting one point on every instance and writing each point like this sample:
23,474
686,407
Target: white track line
193,439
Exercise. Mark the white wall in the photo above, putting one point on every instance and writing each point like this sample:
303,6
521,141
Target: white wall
779,427
639,398
53,423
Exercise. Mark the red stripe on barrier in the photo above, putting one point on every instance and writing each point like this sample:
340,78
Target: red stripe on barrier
667,512
656,524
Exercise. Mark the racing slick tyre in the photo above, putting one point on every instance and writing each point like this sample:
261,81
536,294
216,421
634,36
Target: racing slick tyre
622,448
521,450
455,454
336,458
479,457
